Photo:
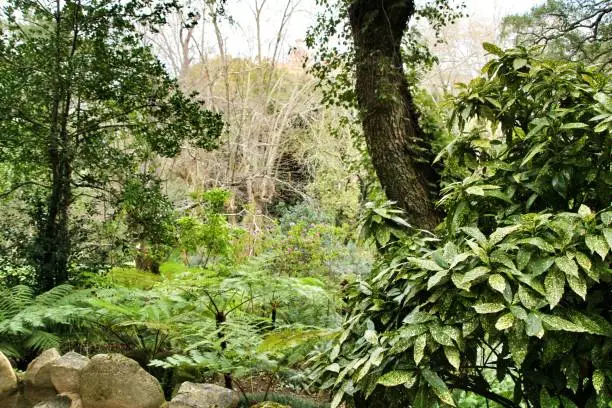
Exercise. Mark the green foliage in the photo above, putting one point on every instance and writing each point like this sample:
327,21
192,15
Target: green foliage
12,275
207,232
30,323
290,400
577,30
83,105
309,244
148,216
334,65
515,286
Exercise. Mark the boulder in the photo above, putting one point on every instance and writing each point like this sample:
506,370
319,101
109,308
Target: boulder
37,381
8,379
57,402
75,399
191,395
270,404
65,372
115,381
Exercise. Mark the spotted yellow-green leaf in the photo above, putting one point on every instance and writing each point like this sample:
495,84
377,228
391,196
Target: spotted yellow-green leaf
554,284
574,125
597,244
426,264
559,323
475,274
522,258
440,335
584,211
438,386
583,260
505,322
497,282
475,233
469,327
567,265
534,326
453,357
518,341
337,399
371,336
396,377
493,49
500,233
537,242
334,352
598,380
411,330
606,217
419,348
529,298
519,63
484,308
607,233
436,278
540,265
578,285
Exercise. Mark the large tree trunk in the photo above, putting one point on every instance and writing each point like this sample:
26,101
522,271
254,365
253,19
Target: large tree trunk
399,150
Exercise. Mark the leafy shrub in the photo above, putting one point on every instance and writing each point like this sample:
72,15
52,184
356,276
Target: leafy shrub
516,285
12,275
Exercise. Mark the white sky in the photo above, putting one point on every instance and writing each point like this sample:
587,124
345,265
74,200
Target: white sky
240,40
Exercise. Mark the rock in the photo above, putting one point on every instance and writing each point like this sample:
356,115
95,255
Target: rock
270,404
37,381
75,399
37,372
57,402
191,395
115,381
8,379
65,372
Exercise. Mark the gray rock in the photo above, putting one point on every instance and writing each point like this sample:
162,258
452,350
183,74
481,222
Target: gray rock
8,379
65,372
115,381
57,402
37,372
37,381
75,399
191,395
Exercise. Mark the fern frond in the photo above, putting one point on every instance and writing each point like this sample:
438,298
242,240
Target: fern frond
54,296
42,340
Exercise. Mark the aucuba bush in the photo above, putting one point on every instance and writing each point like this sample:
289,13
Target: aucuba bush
516,284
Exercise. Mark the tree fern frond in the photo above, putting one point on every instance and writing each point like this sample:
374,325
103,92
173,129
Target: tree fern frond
42,340
54,296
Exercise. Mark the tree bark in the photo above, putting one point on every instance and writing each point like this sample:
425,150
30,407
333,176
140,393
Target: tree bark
400,151
53,246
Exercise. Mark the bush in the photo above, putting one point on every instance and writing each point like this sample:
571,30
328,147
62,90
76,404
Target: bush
515,286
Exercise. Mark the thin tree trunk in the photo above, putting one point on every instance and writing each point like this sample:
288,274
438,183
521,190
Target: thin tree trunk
399,150
53,250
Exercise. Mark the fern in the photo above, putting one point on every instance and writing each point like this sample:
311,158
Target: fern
31,323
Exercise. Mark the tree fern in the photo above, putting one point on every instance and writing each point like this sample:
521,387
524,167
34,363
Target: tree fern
29,323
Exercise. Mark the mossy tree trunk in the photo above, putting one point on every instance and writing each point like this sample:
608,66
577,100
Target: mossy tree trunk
399,150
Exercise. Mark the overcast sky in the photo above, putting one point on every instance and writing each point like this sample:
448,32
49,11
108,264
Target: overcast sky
241,40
